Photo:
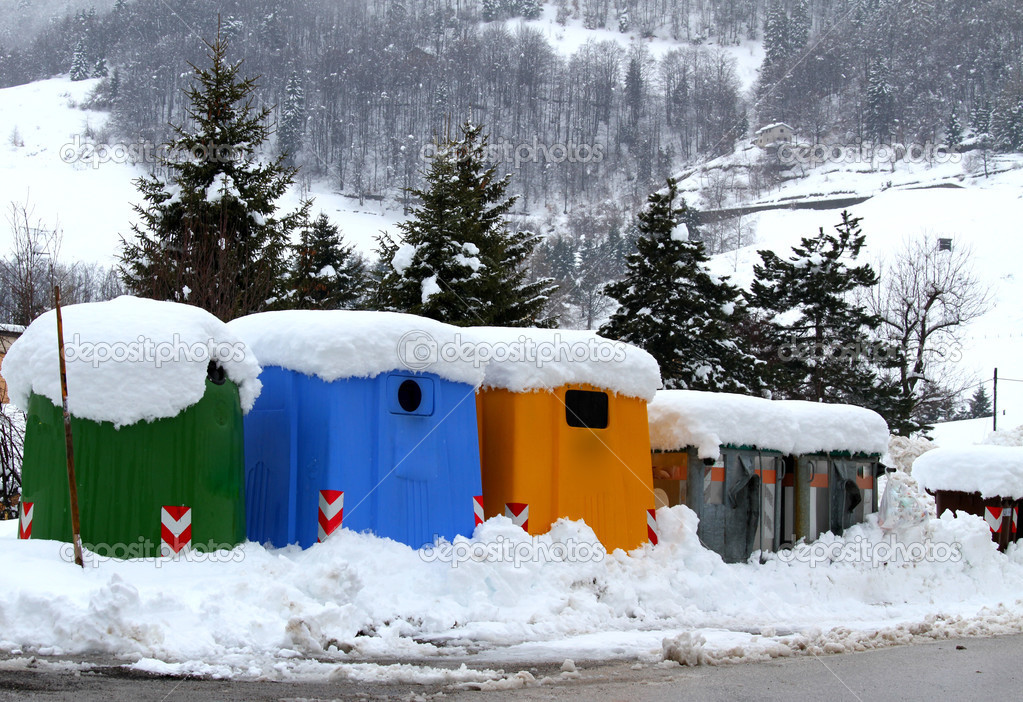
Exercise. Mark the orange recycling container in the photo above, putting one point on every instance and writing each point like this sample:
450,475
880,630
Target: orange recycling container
577,451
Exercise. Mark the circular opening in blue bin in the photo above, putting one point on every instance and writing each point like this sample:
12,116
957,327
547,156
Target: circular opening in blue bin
410,395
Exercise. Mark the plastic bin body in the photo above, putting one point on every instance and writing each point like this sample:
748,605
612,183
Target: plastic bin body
1000,513
739,499
532,457
407,473
833,492
126,476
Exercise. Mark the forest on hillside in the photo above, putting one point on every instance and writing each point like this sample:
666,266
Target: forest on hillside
360,89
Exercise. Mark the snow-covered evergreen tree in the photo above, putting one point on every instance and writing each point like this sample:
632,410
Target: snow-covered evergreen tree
210,234
79,62
324,273
818,330
953,131
676,309
292,122
457,260
880,102
980,404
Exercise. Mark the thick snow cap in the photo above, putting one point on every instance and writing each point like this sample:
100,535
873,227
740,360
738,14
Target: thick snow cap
128,360
993,471
527,359
333,344
710,420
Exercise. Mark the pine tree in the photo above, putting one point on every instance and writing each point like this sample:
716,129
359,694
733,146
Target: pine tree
953,131
672,306
292,124
880,102
980,404
324,273
79,62
457,260
818,332
530,9
210,234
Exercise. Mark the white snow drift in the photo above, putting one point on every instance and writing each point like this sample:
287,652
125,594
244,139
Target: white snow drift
128,360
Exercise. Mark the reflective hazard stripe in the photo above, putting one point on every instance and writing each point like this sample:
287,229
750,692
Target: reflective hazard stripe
25,520
993,517
651,526
518,512
477,509
175,529
331,512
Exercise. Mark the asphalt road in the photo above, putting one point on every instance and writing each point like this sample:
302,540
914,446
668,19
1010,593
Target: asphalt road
955,669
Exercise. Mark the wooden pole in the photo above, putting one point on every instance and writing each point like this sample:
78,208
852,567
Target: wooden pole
76,533
994,406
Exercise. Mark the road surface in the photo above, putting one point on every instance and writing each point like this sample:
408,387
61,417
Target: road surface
955,669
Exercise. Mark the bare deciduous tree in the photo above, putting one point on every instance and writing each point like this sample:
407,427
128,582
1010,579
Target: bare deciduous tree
925,296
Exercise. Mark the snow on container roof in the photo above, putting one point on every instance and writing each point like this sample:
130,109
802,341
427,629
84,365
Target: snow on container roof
528,359
993,471
333,344
709,420
128,360
824,428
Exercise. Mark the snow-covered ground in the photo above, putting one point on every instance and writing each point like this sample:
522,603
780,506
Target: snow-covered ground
353,605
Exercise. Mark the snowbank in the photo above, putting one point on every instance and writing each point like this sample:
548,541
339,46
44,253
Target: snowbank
334,344
128,360
993,471
681,418
1006,437
503,596
524,360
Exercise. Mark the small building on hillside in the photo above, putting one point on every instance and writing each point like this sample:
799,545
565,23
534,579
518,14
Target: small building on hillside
776,133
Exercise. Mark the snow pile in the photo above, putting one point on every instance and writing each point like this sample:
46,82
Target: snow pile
993,471
524,360
681,418
128,360
333,344
334,609
1005,437
903,450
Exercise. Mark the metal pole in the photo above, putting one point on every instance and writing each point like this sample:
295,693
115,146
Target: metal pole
994,404
76,532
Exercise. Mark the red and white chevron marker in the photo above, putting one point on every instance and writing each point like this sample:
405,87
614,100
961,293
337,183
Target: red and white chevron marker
651,525
332,510
477,508
518,512
175,529
1015,519
993,517
25,522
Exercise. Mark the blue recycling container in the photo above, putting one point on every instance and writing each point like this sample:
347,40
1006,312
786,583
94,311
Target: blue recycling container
402,446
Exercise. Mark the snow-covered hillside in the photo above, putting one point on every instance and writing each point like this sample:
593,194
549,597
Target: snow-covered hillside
43,133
